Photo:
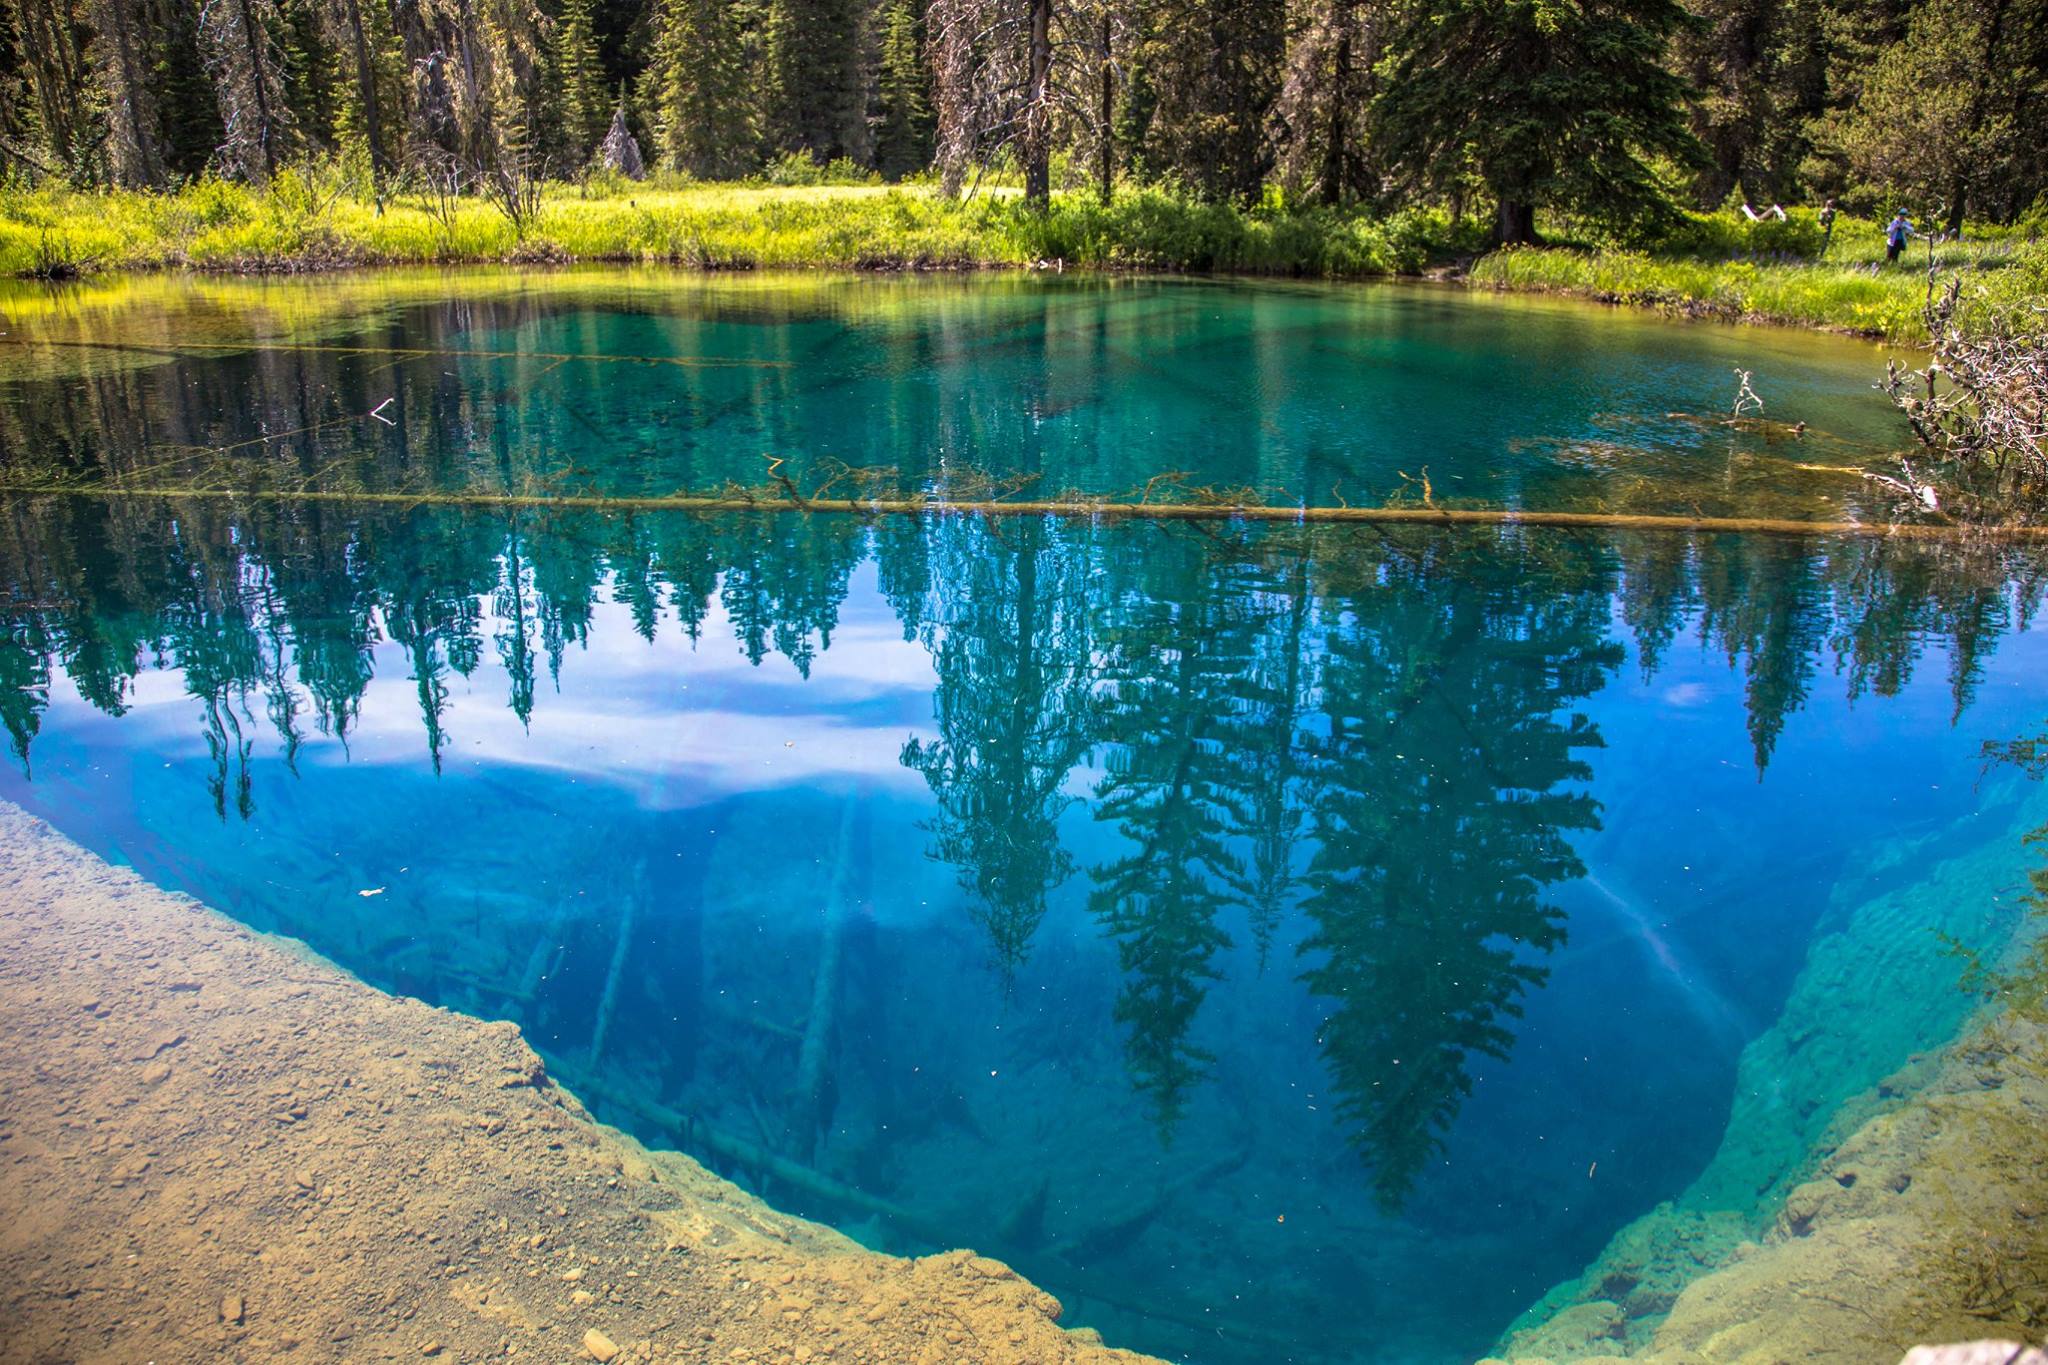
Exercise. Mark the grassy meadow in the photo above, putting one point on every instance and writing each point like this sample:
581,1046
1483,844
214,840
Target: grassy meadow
1851,288
1710,265
303,221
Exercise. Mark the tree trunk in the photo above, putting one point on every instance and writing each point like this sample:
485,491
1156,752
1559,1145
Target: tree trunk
134,160
1037,143
366,90
1340,86
1517,222
259,73
1107,114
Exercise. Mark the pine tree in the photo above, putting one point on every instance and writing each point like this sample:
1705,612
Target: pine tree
1759,69
313,76
1317,124
1557,105
903,137
703,116
817,90
1215,66
583,98
121,55
362,34
1950,117
51,44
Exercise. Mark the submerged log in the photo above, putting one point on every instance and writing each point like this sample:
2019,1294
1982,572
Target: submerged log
609,1000
819,1029
1092,509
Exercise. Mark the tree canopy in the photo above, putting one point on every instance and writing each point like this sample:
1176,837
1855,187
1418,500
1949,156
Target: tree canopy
1602,113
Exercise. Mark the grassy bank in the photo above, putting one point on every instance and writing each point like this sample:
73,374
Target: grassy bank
1850,289
302,222
1711,265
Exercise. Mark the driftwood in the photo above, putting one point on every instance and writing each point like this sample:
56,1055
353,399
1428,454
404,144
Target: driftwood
1053,1268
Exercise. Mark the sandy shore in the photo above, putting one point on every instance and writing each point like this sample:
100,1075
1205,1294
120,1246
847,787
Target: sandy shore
213,1146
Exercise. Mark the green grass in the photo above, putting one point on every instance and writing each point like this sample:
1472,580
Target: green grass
1711,265
1851,289
306,221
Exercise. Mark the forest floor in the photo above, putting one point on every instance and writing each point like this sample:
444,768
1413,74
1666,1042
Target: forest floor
1715,266
213,1147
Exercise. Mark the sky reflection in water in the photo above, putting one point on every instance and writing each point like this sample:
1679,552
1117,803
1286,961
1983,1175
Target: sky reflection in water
1260,936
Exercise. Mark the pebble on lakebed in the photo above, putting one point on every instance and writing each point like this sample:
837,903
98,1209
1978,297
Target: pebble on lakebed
310,1178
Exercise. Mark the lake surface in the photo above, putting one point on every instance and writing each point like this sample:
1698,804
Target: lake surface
1299,943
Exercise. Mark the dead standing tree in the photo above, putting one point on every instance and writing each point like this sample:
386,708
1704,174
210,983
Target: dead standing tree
248,85
1023,73
471,60
121,54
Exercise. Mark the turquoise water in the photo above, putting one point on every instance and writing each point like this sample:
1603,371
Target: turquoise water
621,384
1282,943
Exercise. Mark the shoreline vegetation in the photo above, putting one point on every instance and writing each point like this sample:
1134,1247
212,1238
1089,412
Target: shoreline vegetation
1712,266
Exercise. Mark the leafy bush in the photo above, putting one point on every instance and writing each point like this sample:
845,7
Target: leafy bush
1728,234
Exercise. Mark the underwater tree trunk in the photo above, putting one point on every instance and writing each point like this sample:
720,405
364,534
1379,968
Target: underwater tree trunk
818,1028
608,1002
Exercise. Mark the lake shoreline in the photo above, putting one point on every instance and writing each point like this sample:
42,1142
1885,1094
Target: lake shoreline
1898,1207
1675,308
1922,1225
220,1145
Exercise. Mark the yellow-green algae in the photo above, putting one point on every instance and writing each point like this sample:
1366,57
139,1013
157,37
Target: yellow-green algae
1866,1196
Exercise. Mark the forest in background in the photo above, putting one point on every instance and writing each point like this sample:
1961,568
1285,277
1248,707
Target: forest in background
1605,116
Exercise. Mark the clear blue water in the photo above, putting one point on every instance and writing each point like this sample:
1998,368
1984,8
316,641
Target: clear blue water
1283,944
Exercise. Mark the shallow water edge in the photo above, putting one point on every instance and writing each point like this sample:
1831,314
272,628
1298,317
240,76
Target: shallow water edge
1900,1201
217,1144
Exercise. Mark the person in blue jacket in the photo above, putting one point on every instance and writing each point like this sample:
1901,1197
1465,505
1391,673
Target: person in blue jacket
1896,235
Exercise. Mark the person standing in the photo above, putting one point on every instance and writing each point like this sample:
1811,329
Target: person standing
1896,235
1827,225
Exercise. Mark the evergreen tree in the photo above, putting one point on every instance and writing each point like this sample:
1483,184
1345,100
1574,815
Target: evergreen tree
313,77
816,90
1317,124
1949,119
1442,800
187,115
1759,71
703,115
903,133
1560,106
121,54
51,43
581,94
1007,630
1216,66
